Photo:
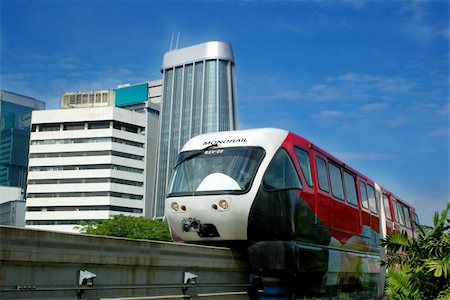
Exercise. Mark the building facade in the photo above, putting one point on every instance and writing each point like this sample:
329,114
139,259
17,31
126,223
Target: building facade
198,97
85,165
12,206
145,98
15,117
84,99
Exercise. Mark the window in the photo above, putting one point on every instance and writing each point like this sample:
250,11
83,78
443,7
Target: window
415,218
74,126
50,127
394,208
99,125
386,207
305,165
126,127
322,174
336,182
399,213
281,173
363,191
350,188
407,218
215,170
372,201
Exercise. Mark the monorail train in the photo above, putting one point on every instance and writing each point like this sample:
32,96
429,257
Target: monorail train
305,216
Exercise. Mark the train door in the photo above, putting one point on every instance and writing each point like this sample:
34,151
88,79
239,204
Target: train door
365,212
389,225
374,200
384,213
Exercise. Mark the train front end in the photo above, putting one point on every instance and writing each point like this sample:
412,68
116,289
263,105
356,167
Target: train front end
214,181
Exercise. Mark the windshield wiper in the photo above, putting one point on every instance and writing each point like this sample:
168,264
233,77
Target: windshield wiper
193,154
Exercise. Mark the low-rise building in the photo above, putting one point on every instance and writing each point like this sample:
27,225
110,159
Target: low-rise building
85,164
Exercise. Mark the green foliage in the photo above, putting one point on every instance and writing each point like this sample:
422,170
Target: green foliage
129,227
401,286
419,268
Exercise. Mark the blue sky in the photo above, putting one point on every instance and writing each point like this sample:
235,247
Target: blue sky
366,80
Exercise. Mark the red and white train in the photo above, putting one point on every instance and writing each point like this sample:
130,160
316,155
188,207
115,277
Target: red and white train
306,216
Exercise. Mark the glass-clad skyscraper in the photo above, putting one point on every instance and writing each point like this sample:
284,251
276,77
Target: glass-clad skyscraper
198,97
15,118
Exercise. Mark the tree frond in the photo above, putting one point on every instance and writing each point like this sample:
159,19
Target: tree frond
444,295
399,286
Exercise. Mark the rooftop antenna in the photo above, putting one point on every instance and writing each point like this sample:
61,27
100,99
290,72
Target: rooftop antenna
171,42
178,37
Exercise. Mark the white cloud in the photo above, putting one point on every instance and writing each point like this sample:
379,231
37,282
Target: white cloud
445,111
419,26
373,107
357,4
65,73
329,114
399,121
366,82
444,131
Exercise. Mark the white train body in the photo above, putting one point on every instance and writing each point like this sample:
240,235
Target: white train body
217,202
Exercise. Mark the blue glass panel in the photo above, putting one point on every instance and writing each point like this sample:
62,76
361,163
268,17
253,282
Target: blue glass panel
131,94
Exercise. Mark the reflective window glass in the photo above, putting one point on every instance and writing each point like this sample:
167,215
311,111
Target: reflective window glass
281,173
322,174
350,188
364,200
406,214
305,165
336,182
372,201
386,207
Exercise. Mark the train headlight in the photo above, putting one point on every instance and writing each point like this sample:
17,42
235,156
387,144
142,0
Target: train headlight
224,204
175,206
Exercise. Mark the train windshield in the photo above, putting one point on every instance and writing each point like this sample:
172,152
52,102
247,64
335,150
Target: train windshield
215,170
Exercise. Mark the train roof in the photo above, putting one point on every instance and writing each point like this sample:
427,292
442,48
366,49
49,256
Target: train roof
262,137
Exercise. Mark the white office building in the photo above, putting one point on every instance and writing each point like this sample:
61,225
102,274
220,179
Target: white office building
85,164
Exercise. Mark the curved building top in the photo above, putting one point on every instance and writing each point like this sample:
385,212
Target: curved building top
205,51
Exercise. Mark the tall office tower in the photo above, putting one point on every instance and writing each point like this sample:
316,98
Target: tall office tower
85,164
15,117
198,97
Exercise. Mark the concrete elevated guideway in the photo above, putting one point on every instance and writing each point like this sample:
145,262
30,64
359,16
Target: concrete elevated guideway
38,264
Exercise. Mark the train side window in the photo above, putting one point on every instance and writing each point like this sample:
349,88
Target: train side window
281,173
336,182
362,189
350,188
305,164
394,207
399,213
322,174
407,218
386,207
415,218
372,201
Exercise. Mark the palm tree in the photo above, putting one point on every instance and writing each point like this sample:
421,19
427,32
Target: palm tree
419,268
